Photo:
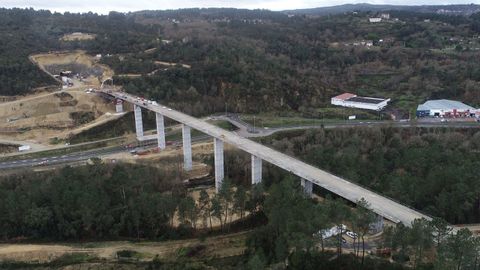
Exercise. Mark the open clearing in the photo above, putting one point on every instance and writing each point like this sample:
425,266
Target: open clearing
41,117
78,36
218,246
78,62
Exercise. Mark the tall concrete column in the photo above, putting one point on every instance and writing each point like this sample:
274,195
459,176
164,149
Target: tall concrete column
160,131
307,187
118,105
256,170
219,169
137,110
187,147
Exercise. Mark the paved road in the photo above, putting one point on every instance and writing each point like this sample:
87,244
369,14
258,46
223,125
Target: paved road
246,130
68,158
81,156
381,205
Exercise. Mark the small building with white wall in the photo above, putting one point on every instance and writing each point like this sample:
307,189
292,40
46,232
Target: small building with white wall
353,101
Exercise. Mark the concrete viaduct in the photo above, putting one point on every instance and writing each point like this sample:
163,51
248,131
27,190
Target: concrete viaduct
308,174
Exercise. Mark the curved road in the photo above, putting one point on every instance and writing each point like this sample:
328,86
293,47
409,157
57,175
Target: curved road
246,130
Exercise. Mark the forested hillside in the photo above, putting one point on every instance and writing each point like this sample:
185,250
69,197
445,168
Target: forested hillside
434,170
26,31
202,60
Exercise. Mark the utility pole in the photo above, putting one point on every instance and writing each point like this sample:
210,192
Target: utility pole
254,124
226,106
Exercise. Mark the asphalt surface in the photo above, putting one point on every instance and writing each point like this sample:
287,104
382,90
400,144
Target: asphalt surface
81,156
379,204
247,130
54,160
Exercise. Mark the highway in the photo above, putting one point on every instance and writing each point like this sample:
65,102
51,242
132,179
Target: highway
381,205
246,130
81,156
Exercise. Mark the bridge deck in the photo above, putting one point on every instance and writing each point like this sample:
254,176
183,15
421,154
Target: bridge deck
381,205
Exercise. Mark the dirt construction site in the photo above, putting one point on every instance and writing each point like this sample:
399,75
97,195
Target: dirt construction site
91,73
43,116
36,119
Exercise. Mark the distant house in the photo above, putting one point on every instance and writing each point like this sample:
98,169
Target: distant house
385,16
365,43
353,101
374,20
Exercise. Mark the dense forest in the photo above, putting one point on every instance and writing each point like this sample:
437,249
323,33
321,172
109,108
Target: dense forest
433,170
99,202
26,31
257,61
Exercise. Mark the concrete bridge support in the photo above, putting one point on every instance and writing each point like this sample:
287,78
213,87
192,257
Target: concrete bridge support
219,164
256,170
118,105
307,187
187,147
137,110
160,131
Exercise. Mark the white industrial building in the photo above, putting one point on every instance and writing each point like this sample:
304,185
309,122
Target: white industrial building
374,20
354,101
445,108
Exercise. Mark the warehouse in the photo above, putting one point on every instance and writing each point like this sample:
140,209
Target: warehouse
445,108
354,101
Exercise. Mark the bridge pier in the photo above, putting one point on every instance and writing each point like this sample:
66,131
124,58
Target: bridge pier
160,131
256,170
307,187
137,110
118,105
219,164
187,147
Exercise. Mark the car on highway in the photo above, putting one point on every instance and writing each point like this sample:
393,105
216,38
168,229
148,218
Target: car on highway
44,162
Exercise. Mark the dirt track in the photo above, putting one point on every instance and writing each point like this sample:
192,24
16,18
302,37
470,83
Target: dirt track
220,246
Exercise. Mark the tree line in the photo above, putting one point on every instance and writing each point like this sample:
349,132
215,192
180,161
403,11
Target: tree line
101,201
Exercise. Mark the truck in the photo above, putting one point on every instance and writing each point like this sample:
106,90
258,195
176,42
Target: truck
24,148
